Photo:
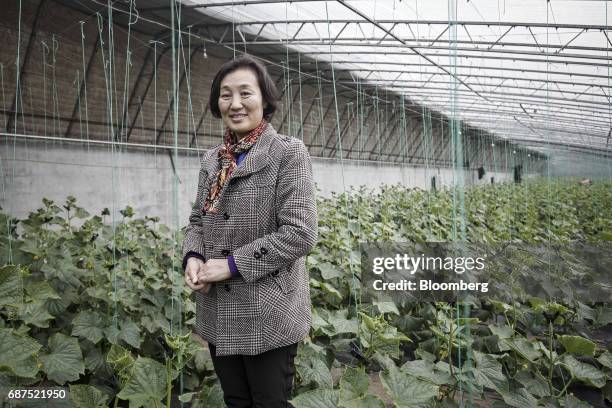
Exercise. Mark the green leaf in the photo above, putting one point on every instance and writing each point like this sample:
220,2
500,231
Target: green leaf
519,398
341,324
488,372
314,370
523,347
18,354
503,332
606,359
584,372
130,333
329,271
386,307
320,398
577,345
147,384
86,396
407,391
425,370
65,360
536,385
35,314
11,286
368,401
353,383
569,401
121,361
89,325
41,290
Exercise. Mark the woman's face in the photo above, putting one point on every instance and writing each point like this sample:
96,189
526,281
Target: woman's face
241,102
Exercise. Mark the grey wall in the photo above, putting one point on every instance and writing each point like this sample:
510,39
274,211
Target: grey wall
103,176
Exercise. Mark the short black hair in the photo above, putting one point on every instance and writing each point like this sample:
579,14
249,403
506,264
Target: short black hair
269,92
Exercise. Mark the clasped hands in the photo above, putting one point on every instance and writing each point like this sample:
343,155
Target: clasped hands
200,275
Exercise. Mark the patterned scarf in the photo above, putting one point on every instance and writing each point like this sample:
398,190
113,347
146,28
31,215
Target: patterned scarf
227,160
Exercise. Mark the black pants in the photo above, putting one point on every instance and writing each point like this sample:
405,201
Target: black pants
261,381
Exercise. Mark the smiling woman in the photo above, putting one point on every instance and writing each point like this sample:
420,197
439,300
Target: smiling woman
253,221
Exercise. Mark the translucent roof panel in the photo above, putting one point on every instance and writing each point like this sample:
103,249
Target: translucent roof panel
522,69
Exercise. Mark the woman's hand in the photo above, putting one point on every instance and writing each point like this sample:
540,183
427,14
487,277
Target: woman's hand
214,270
194,266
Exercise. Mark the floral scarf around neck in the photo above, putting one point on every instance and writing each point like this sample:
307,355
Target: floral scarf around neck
227,161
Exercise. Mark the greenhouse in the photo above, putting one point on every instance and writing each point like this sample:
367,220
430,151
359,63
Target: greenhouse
306,203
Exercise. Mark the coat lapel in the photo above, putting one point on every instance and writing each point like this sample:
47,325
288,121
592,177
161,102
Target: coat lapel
258,157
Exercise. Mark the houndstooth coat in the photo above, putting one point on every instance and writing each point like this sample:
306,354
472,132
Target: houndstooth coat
268,222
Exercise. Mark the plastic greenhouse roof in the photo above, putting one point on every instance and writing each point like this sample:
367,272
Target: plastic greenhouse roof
523,70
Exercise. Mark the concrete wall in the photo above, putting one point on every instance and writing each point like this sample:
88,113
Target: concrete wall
105,176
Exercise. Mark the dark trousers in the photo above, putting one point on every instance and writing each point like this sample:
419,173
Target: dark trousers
261,381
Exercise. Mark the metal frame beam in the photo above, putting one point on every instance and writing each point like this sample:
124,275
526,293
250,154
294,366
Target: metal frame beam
500,85
480,68
428,55
366,20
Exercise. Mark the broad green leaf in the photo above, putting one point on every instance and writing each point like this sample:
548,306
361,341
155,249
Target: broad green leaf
86,396
353,383
147,384
329,271
386,307
407,391
89,325
488,372
209,397
331,291
41,290
341,324
35,314
606,359
11,286
503,332
314,370
519,398
130,333
524,348
64,362
319,398
535,385
368,401
121,361
425,370
584,372
577,345
18,354
569,401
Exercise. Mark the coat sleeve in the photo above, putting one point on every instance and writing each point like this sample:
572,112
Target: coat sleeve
296,213
193,244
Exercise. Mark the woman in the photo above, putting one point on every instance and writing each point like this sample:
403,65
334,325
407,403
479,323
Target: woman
253,222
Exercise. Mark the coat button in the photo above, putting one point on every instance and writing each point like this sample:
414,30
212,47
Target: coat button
226,216
256,255
263,250
225,252
275,273
227,287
